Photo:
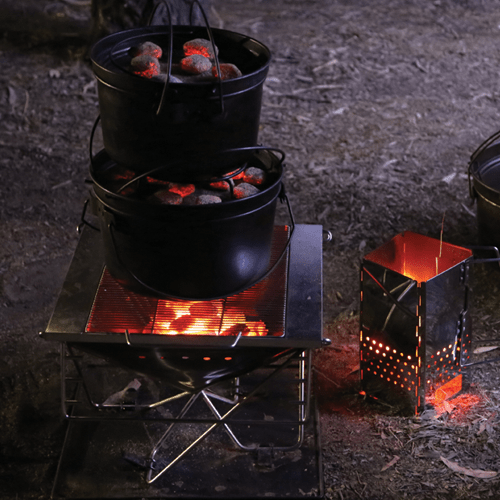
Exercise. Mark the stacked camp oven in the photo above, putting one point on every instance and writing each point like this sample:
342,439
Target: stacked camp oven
186,329
198,133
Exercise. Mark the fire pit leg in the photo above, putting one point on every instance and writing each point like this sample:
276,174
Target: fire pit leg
304,404
81,382
304,388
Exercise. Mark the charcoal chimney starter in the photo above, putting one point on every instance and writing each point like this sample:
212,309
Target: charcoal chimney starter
415,330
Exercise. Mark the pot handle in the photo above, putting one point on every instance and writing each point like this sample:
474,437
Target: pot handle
84,221
91,140
493,249
283,198
179,162
170,49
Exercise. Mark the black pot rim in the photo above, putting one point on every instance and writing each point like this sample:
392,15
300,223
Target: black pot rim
487,160
111,74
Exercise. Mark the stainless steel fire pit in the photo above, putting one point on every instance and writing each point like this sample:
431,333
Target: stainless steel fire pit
240,395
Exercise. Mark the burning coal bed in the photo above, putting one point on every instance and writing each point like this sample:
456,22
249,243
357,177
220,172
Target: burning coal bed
198,63
248,182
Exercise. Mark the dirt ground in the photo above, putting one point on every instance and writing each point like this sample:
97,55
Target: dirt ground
378,106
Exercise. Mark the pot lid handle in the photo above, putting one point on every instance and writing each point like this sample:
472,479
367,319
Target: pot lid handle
170,48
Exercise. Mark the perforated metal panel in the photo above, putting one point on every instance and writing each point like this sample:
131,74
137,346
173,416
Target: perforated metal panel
415,331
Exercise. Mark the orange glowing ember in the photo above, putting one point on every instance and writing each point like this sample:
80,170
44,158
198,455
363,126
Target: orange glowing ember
464,408
152,180
181,189
199,50
418,257
199,46
145,66
448,390
227,71
220,185
237,176
126,175
204,318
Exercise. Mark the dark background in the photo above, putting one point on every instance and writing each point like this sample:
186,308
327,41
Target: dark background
378,106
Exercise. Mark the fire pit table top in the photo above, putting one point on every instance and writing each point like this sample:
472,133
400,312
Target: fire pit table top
303,300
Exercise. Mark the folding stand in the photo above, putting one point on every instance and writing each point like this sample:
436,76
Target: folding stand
274,429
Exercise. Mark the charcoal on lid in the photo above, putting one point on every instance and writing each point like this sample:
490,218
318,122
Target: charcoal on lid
146,49
244,190
254,175
227,71
147,66
166,197
195,64
200,46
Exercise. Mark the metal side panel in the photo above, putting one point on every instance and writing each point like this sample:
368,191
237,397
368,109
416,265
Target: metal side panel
77,294
304,321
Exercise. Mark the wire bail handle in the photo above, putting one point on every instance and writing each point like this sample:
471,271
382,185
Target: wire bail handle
170,50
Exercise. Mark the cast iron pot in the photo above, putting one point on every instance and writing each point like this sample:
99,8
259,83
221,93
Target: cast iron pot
484,185
194,252
147,123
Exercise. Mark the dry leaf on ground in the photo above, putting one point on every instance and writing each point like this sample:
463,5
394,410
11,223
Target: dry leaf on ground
480,350
482,474
390,464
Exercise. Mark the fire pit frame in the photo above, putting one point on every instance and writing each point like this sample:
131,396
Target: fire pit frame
72,386
303,332
164,462
303,313
121,412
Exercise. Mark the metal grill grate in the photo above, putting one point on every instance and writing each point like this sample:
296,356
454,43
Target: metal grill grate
257,311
